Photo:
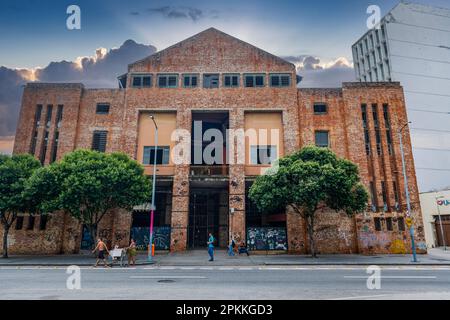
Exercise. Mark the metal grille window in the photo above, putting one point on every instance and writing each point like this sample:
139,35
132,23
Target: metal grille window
141,81
320,108
231,80
168,80
254,80
263,155
190,81
162,155
99,141
280,80
322,139
211,81
102,108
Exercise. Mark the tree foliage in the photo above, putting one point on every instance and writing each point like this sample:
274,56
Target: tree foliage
14,174
308,180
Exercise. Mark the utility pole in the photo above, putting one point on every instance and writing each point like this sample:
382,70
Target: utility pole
408,201
152,209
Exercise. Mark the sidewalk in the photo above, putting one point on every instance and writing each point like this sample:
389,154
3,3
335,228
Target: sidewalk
436,257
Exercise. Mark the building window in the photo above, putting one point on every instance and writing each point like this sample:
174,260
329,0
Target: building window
280,80
401,224
384,195
389,224
31,220
320,108
141,81
211,81
322,139
44,147
102,108
231,80
99,141
19,223
167,80
377,222
34,142
43,222
254,80
55,147
162,155
190,80
48,120
59,115
263,155
396,198
373,196
37,115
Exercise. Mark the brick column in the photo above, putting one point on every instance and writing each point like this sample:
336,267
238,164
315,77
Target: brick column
180,196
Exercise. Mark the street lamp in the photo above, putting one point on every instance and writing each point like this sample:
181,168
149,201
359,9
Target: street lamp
152,209
440,222
408,203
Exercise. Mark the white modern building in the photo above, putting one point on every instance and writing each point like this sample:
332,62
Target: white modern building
412,45
436,211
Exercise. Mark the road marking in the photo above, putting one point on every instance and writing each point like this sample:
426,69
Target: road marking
361,297
391,277
167,277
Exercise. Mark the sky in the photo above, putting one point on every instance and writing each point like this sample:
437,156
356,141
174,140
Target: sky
35,43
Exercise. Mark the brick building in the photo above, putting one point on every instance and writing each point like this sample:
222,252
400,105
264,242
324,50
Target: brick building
224,84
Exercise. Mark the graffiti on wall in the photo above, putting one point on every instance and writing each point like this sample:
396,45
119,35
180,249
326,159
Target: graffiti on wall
161,237
266,238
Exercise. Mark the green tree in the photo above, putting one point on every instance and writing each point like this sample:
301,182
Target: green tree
308,180
14,173
89,184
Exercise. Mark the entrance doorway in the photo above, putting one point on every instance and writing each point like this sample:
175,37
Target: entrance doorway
208,213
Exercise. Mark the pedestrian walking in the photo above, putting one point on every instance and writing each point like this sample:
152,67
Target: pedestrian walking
243,249
211,247
231,247
102,249
132,253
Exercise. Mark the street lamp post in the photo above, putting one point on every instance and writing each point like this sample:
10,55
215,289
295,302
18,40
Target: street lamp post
152,209
408,202
440,222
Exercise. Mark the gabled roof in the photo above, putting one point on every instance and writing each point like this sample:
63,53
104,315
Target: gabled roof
206,33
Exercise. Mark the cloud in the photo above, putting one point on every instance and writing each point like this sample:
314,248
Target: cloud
316,73
6,145
190,13
99,70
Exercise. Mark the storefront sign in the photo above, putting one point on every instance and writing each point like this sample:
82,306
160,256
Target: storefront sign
443,202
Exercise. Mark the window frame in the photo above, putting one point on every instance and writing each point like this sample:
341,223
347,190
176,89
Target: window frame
165,155
141,76
328,138
102,104
167,76
190,76
231,75
320,104
279,76
210,74
254,75
93,140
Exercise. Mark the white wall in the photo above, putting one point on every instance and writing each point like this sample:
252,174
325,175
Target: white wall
429,207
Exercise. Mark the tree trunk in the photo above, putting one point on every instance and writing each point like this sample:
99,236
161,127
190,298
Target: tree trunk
310,227
5,241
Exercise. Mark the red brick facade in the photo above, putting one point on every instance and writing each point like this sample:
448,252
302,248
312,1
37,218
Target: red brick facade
215,52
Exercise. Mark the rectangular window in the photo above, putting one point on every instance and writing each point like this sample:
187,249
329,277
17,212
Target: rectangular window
37,115
44,147
254,80
373,196
322,139
384,194
48,120
168,80
401,224
190,80
231,80
280,80
162,155
59,115
33,142
99,141
31,220
389,224
54,147
320,108
102,108
19,223
141,81
263,155
43,222
211,81
395,190
377,222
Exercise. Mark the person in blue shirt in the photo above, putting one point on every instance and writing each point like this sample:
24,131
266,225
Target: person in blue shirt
231,247
211,247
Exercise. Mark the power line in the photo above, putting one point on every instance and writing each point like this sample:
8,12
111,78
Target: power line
429,111
433,169
429,93
421,75
432,149
422,27
418,58
419,43
433,130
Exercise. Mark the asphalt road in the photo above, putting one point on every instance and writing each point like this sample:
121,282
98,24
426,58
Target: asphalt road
235,283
